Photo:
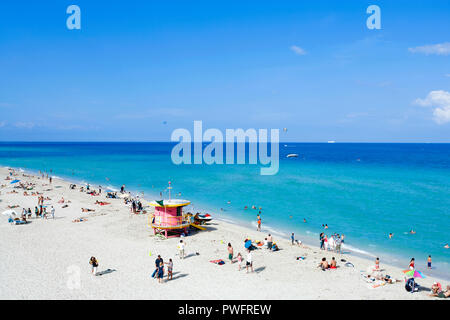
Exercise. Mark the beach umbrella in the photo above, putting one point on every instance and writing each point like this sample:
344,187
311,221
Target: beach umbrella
14,181
414,273
10,213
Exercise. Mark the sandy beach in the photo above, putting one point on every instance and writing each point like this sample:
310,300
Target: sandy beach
49,258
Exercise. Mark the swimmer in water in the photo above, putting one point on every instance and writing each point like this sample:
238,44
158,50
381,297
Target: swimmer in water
391,235
446,246
304,220
326,226
412,231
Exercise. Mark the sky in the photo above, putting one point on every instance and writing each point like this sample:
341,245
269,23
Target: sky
137,70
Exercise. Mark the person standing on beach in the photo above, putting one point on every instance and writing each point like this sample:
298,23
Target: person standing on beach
230,252
181,246
170,269
53,212
94,263
429,262
239,259
157,263
292,238
258,221
338,243
269,242
161,272
412,264
249,262
322,241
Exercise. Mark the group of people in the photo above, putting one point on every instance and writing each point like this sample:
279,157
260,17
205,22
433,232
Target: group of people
159,269
332,243
239,259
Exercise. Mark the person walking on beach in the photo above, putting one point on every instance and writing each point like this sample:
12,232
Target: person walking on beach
230,252
258,221
170,269
94,263
249,262
181,246
429,262
53,212
36,211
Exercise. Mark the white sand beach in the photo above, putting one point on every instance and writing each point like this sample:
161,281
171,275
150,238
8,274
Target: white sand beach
49,258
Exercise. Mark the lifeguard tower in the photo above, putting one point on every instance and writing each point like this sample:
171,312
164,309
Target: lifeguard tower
168,218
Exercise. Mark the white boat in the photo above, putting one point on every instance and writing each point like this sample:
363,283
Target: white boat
292,155
331,141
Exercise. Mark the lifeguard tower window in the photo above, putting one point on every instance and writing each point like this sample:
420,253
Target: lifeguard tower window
179,211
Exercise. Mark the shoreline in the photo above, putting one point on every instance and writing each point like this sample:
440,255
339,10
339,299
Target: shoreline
204,208
220,229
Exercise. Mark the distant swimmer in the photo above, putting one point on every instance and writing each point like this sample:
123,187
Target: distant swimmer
254,207
412,231
245,208
391,235
446,246
304,220
228,201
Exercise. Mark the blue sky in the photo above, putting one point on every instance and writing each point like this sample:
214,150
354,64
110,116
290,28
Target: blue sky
231,64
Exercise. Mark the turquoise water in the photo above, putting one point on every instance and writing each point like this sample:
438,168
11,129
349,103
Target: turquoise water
364,191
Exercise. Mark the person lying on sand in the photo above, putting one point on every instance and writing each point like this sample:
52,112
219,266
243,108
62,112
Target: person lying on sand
323,264
79,220
25,193
102,203
14,206
86,210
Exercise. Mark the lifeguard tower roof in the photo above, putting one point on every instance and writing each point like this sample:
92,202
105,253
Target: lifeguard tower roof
172,203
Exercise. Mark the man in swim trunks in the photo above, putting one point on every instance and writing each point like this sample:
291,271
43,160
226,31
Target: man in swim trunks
230,252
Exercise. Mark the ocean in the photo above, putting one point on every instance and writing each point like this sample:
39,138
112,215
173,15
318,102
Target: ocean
364,191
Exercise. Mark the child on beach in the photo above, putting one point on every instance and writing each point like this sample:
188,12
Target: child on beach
94,263
377,264
161,272
239,259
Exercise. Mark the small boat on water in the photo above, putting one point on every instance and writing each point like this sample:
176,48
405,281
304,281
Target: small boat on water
331,141
292,155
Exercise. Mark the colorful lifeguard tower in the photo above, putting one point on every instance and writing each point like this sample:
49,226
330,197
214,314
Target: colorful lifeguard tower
168,218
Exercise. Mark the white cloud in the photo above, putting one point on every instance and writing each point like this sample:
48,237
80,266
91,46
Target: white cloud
298,50
439,49
24,125
440,100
